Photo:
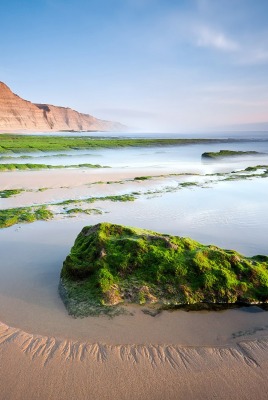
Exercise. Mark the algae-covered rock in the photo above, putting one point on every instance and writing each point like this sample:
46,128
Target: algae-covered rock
229,153
112,264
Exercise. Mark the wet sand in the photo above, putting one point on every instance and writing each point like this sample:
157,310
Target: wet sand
38,367
76,184
71,177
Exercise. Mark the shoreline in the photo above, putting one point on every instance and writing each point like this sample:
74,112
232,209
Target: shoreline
42,344
226,328
47,368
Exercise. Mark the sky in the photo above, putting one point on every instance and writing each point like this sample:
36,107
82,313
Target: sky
154,65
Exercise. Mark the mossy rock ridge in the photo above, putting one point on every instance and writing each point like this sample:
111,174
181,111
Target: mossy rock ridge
230,153
112,264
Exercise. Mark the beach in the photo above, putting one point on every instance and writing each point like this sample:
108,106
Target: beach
38,367
47,354
133,200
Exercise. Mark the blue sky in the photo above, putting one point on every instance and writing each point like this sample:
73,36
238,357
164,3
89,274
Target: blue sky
157,65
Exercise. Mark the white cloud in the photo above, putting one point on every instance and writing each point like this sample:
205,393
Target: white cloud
253,56
207,37
250,50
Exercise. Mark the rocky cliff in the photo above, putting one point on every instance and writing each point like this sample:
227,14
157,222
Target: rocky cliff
19,114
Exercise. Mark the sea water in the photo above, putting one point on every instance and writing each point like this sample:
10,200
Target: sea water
230,214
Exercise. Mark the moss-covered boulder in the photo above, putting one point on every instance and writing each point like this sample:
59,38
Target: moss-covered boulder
112,264
229,153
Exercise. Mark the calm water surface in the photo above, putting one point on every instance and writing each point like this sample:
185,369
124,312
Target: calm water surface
186,158
232,214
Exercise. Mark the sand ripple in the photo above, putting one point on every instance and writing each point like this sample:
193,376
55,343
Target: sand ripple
249,353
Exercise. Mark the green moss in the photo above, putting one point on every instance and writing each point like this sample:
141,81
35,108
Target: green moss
143,178
28,166
110,264
10,192
87,211
30,143
4,158
14,216
122,197
256,168
228,153
189,184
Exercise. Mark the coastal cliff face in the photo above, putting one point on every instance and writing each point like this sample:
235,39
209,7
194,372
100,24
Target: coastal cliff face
19,114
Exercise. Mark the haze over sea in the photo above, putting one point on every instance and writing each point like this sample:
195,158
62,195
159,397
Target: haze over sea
259,135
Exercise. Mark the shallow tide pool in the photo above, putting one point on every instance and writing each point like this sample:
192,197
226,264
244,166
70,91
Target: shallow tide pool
230,214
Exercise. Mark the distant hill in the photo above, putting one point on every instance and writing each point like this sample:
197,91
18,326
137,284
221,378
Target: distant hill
19,114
